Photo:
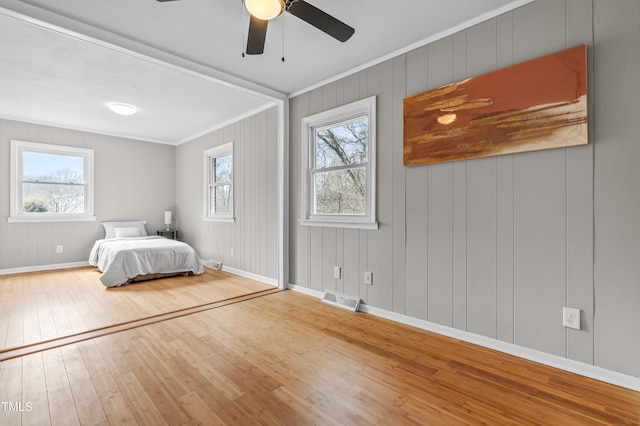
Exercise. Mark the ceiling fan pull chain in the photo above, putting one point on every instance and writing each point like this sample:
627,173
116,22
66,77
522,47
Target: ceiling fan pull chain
282,38
243,31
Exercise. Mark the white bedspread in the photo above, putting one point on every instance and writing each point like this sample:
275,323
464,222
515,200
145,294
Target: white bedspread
121,259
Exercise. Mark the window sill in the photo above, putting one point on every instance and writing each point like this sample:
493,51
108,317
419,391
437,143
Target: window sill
339,224
219,219
41,219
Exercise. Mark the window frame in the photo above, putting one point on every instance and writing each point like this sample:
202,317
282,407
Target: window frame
210,155
332,118
16,213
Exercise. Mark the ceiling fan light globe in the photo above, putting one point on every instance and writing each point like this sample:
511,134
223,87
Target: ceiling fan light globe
264,9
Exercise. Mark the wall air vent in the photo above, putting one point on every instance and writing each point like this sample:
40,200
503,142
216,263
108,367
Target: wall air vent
345,302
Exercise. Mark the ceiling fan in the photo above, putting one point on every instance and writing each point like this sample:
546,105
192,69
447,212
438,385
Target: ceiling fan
264,10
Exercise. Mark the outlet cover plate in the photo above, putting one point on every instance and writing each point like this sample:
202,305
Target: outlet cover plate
571,317
336,272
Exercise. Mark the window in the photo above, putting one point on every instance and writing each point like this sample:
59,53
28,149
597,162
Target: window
218,171
339,166
50,183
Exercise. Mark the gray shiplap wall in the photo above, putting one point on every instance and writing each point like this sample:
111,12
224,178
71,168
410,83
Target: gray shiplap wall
133,180
496,246
253,235
617,185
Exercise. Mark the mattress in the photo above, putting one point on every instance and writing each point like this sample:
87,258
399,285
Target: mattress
122,260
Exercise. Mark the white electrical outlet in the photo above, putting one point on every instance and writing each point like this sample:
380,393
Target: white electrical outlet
59,249
231,251
571,317
368,277
336,272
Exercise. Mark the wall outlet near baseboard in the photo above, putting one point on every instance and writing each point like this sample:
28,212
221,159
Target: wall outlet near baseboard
368,277
59,249
571,317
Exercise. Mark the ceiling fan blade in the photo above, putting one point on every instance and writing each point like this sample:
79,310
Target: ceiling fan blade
257,35
321,20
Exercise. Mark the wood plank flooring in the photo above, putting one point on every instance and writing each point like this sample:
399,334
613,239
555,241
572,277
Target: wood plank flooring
288,359
41,306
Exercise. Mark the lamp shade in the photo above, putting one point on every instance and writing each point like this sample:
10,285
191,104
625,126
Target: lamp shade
167,218
264,9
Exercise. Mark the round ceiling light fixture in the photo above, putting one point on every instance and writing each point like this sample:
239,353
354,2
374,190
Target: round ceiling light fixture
264,9
122,109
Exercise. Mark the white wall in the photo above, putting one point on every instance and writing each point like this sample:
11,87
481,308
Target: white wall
496,246
253,236
133,180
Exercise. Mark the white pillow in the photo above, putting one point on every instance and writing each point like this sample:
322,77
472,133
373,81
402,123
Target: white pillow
110,227
126,232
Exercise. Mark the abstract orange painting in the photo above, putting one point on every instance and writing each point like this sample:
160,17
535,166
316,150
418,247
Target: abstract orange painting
534,105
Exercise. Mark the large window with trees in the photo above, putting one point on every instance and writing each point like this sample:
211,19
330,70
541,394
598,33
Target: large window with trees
50,183
218,170
339,173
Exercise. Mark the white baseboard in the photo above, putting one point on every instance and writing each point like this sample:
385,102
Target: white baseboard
245,274
306,290
43,268
586,370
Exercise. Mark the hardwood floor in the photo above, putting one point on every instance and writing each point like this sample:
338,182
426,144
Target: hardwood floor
41,306
286,358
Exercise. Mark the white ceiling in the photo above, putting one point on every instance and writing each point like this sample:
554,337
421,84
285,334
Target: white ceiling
181,62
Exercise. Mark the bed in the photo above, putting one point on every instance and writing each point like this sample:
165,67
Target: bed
127,254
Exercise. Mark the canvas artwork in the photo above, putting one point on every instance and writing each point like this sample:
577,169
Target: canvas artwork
534,105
